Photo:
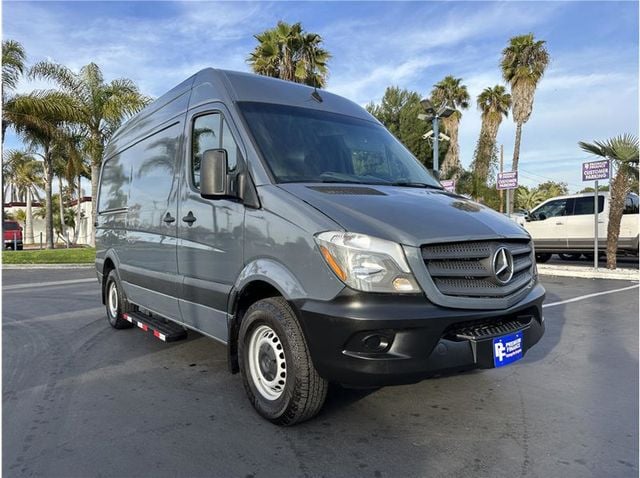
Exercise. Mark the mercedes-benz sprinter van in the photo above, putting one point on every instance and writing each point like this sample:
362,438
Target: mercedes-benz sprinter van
290,225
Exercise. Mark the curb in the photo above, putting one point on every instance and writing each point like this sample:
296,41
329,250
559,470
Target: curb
588,272
47,266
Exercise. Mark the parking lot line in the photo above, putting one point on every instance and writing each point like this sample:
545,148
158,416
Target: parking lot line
588,296
46,284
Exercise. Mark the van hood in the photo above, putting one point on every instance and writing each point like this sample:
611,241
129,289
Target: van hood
410,216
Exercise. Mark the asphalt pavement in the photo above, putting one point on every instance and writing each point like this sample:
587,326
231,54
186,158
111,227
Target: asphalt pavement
81,399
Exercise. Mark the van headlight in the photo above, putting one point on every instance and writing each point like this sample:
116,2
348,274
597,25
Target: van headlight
367,263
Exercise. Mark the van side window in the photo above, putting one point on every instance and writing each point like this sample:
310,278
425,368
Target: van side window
584,205
211,131
551,209
631,204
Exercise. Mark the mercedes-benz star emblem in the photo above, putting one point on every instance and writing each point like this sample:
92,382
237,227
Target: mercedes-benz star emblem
502,265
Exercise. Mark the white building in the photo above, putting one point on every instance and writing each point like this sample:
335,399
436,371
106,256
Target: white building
39,234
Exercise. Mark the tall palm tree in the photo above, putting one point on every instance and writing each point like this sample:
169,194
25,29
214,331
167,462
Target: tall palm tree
289,53
452,92
68,164
25,174
494,103
523,64
100,107
622,151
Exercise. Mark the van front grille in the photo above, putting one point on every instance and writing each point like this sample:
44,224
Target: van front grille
476,269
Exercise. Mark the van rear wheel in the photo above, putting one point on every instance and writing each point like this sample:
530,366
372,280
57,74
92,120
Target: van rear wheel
116,303
277,372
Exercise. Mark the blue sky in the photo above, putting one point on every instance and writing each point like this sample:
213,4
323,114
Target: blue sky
590,90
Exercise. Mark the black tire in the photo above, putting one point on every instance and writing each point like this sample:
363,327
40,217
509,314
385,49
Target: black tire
543,257
570,257
19,248
304,391
122,305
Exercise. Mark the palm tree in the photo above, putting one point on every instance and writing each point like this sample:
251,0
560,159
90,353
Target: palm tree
622,151
25,174
494,103
289,53
452,92
13,67
523,64
100,107
529,198
68,164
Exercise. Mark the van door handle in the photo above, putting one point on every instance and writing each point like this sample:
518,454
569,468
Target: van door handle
168,218
189,218
559,223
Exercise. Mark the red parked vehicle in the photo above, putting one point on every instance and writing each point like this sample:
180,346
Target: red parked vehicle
12,232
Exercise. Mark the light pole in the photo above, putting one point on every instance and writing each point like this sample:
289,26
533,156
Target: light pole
433,115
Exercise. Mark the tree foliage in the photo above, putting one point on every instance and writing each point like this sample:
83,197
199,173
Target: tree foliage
398,111
290,53
452,92
494,103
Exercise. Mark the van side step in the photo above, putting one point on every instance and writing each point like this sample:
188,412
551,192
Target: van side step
162,329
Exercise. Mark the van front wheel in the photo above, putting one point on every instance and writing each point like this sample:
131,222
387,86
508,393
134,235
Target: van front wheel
278,374
116,302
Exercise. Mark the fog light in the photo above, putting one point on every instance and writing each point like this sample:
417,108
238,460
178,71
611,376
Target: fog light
402,284
375,343
370,343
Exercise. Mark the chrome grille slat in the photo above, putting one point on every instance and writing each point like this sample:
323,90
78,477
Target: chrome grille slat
481,288
465,269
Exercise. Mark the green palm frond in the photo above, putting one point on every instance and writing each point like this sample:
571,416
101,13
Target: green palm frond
525,59
450,90
13,64
289,53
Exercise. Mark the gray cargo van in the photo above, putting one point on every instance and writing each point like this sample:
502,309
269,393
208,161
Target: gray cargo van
290,225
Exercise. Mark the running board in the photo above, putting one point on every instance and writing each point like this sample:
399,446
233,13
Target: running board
162,329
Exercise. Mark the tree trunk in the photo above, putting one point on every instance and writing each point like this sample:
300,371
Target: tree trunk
95,175
618,193
76,235
63,225
28,223
48,171
516,159
451,160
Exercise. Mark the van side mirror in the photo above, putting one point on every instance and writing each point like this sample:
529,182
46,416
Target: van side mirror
213,174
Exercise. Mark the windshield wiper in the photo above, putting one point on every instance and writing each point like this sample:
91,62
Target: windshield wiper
412,184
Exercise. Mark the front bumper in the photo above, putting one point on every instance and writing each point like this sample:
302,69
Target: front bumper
8,244
422,336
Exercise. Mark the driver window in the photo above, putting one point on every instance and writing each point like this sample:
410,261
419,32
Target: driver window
211,131
552,209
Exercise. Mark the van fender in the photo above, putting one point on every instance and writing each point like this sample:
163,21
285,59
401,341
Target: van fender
264,270
273,273
109,255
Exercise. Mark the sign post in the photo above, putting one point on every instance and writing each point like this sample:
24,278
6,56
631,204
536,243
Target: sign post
507,180
594,171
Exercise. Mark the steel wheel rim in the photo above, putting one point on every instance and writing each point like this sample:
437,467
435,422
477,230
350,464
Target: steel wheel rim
267,363
113,300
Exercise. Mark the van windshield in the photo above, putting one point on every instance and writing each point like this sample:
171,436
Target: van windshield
306,145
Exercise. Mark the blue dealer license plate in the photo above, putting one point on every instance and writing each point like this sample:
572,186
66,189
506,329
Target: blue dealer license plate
507,349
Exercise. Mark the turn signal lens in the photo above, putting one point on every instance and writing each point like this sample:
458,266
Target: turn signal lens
333,264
